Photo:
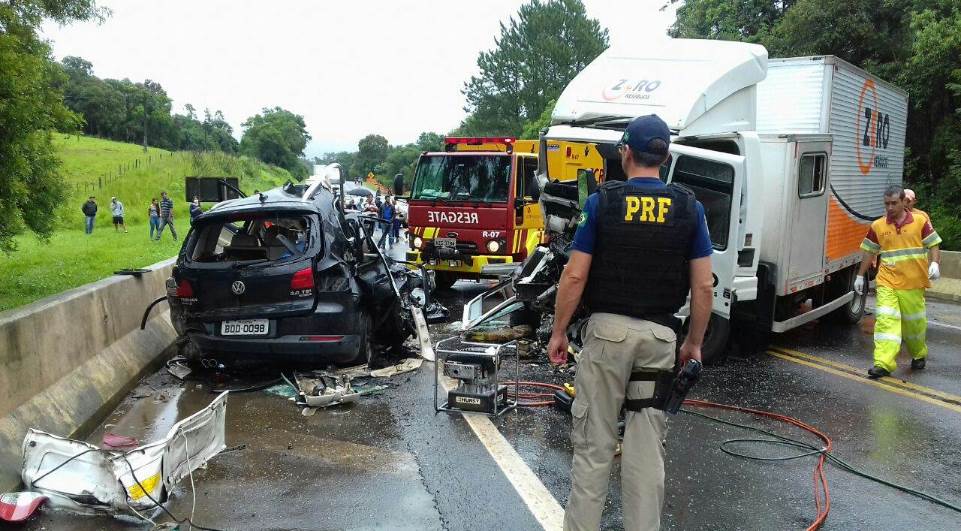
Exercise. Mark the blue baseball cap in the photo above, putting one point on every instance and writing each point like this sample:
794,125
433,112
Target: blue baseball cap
641,130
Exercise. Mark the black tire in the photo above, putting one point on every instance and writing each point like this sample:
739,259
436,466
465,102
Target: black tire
851,312
366,351
715,346
444,279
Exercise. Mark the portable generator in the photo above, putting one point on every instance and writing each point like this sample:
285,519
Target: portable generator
475,369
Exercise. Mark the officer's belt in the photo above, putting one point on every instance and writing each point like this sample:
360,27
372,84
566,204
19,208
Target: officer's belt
663,382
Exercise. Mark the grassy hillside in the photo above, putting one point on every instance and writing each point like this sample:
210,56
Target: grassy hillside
92,166
104,169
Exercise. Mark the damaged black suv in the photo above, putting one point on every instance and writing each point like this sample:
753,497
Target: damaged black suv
285,276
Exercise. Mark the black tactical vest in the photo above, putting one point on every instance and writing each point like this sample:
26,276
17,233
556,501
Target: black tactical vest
639,266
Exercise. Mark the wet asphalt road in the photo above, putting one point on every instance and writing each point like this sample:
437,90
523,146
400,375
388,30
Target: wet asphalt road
389,462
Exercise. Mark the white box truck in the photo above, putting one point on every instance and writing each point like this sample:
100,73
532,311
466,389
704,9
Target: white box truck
790,158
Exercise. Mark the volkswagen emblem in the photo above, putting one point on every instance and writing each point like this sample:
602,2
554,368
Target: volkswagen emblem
238,287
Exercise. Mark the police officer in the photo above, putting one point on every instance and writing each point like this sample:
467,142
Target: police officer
639,247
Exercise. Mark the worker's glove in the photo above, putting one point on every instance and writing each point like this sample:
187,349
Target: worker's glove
859,284
934,271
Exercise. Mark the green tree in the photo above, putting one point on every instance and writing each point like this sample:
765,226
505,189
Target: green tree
735,20
535,57
31,105
371,151
276,136
532,129
428,141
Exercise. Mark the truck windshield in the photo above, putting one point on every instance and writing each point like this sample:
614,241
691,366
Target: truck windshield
463,178
712,183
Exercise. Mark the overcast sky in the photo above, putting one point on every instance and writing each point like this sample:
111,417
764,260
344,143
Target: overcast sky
350,67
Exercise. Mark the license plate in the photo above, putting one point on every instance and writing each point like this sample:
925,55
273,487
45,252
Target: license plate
446,243
246,327
453,263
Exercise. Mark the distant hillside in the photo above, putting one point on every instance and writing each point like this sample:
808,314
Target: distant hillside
104,169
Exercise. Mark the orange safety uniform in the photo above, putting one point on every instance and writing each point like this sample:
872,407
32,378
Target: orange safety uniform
903,250
902,277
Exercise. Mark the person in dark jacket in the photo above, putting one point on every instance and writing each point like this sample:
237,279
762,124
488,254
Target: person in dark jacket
89,210
195,209
387,213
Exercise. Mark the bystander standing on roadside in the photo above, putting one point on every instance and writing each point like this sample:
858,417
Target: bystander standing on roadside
153,216
116,208
395,222
166,216
195,209
387,213
89,210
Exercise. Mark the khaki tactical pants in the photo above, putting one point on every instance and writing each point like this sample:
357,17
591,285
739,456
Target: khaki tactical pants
614,346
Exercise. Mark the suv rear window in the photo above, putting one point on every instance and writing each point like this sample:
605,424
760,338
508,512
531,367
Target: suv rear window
251,237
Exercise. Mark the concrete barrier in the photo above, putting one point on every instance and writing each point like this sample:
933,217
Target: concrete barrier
948,288
68,359
951,264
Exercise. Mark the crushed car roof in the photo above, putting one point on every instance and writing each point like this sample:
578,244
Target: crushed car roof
321,201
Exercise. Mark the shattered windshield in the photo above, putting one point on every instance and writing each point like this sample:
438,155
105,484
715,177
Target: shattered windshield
250,237
463,178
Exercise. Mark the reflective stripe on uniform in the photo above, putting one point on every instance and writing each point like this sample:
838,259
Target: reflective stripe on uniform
900,255
884,310
886,337
914,316
932,240
870,246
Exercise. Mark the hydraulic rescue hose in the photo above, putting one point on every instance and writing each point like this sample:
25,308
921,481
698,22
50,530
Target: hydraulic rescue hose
822,494
534,399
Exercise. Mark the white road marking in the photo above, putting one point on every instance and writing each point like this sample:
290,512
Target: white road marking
542,504
945,325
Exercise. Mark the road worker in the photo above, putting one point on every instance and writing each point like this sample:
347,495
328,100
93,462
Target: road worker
910,200
902,240
639,247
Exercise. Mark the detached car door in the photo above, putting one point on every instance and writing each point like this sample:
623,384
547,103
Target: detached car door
716,179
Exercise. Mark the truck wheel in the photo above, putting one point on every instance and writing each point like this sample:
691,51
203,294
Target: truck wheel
714,348
444,279
851,312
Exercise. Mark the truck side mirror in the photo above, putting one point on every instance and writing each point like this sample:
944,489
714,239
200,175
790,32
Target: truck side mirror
586,185
398,185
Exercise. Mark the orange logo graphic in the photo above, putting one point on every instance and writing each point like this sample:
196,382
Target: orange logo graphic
865,122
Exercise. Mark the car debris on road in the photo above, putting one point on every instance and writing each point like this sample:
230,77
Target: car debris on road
80,477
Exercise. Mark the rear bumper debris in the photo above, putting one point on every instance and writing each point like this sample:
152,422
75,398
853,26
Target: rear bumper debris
80,477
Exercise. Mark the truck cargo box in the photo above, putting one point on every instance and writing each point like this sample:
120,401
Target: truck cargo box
866,118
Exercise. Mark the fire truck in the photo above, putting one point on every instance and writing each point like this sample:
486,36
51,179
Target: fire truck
474,205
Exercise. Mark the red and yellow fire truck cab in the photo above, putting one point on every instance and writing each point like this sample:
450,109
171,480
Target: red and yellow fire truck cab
474,204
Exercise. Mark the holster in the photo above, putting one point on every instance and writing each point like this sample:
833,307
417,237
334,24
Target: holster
663,384
670,388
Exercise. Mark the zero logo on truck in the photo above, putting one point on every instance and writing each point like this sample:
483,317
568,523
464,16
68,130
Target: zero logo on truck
873,128
635,90
452,217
